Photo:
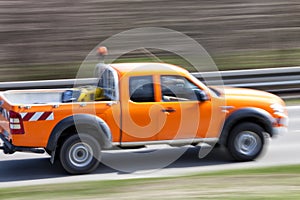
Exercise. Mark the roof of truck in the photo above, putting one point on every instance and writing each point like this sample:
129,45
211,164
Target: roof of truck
147,68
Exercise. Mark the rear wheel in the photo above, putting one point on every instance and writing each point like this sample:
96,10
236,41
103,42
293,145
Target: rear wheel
246,141
80,154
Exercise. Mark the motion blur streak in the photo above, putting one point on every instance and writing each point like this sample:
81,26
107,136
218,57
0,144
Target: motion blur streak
43,39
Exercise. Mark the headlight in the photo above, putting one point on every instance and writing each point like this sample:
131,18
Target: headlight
278,108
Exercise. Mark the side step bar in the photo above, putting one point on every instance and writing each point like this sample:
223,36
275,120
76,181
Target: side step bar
9,148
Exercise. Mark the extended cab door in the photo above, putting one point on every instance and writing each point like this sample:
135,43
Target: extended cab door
140,112
109,108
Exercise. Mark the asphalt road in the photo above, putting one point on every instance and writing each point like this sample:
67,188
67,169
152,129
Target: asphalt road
29,169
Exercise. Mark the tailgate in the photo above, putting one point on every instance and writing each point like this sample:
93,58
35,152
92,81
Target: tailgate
12,128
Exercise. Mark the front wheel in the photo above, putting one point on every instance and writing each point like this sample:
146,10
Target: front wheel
246,141
80,154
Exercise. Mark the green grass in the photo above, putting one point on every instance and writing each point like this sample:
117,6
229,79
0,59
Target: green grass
259,59
225,61
292,102
293,169
262,183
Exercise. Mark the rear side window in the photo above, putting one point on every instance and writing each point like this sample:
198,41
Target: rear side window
141,89
107,83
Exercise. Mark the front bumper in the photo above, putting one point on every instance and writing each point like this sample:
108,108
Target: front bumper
281,124
277,131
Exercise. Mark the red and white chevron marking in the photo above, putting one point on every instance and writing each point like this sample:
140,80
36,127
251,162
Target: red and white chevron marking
37,116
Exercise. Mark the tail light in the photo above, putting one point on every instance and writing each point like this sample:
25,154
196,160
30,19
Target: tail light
15,123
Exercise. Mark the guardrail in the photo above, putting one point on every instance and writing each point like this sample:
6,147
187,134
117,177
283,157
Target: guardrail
282,81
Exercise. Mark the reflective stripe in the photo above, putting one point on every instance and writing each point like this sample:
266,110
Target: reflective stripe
45,115
23,115
28,116
36,116
32,116
50,117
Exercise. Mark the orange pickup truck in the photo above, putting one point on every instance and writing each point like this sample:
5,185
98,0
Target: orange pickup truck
136,104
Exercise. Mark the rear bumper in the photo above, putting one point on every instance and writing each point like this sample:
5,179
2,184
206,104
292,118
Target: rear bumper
9,148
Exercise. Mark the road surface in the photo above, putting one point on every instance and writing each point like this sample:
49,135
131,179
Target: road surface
30,169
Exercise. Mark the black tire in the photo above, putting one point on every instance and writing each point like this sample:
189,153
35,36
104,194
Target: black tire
80,154
246,141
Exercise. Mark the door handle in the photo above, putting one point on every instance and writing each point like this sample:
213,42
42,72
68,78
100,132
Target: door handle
168,110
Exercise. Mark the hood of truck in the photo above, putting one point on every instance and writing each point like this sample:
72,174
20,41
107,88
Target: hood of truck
248,93
242,97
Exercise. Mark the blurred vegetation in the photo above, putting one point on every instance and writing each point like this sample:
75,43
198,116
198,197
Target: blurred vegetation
249,60
292,102
238,60
49,39
281,182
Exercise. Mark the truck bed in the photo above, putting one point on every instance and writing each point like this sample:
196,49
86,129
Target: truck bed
33,96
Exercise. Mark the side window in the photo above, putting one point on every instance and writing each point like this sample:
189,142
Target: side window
141,89
177,88
107,84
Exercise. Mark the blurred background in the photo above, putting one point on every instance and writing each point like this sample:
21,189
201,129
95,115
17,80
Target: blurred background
49,39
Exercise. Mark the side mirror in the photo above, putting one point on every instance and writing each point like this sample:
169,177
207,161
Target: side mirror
201,95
